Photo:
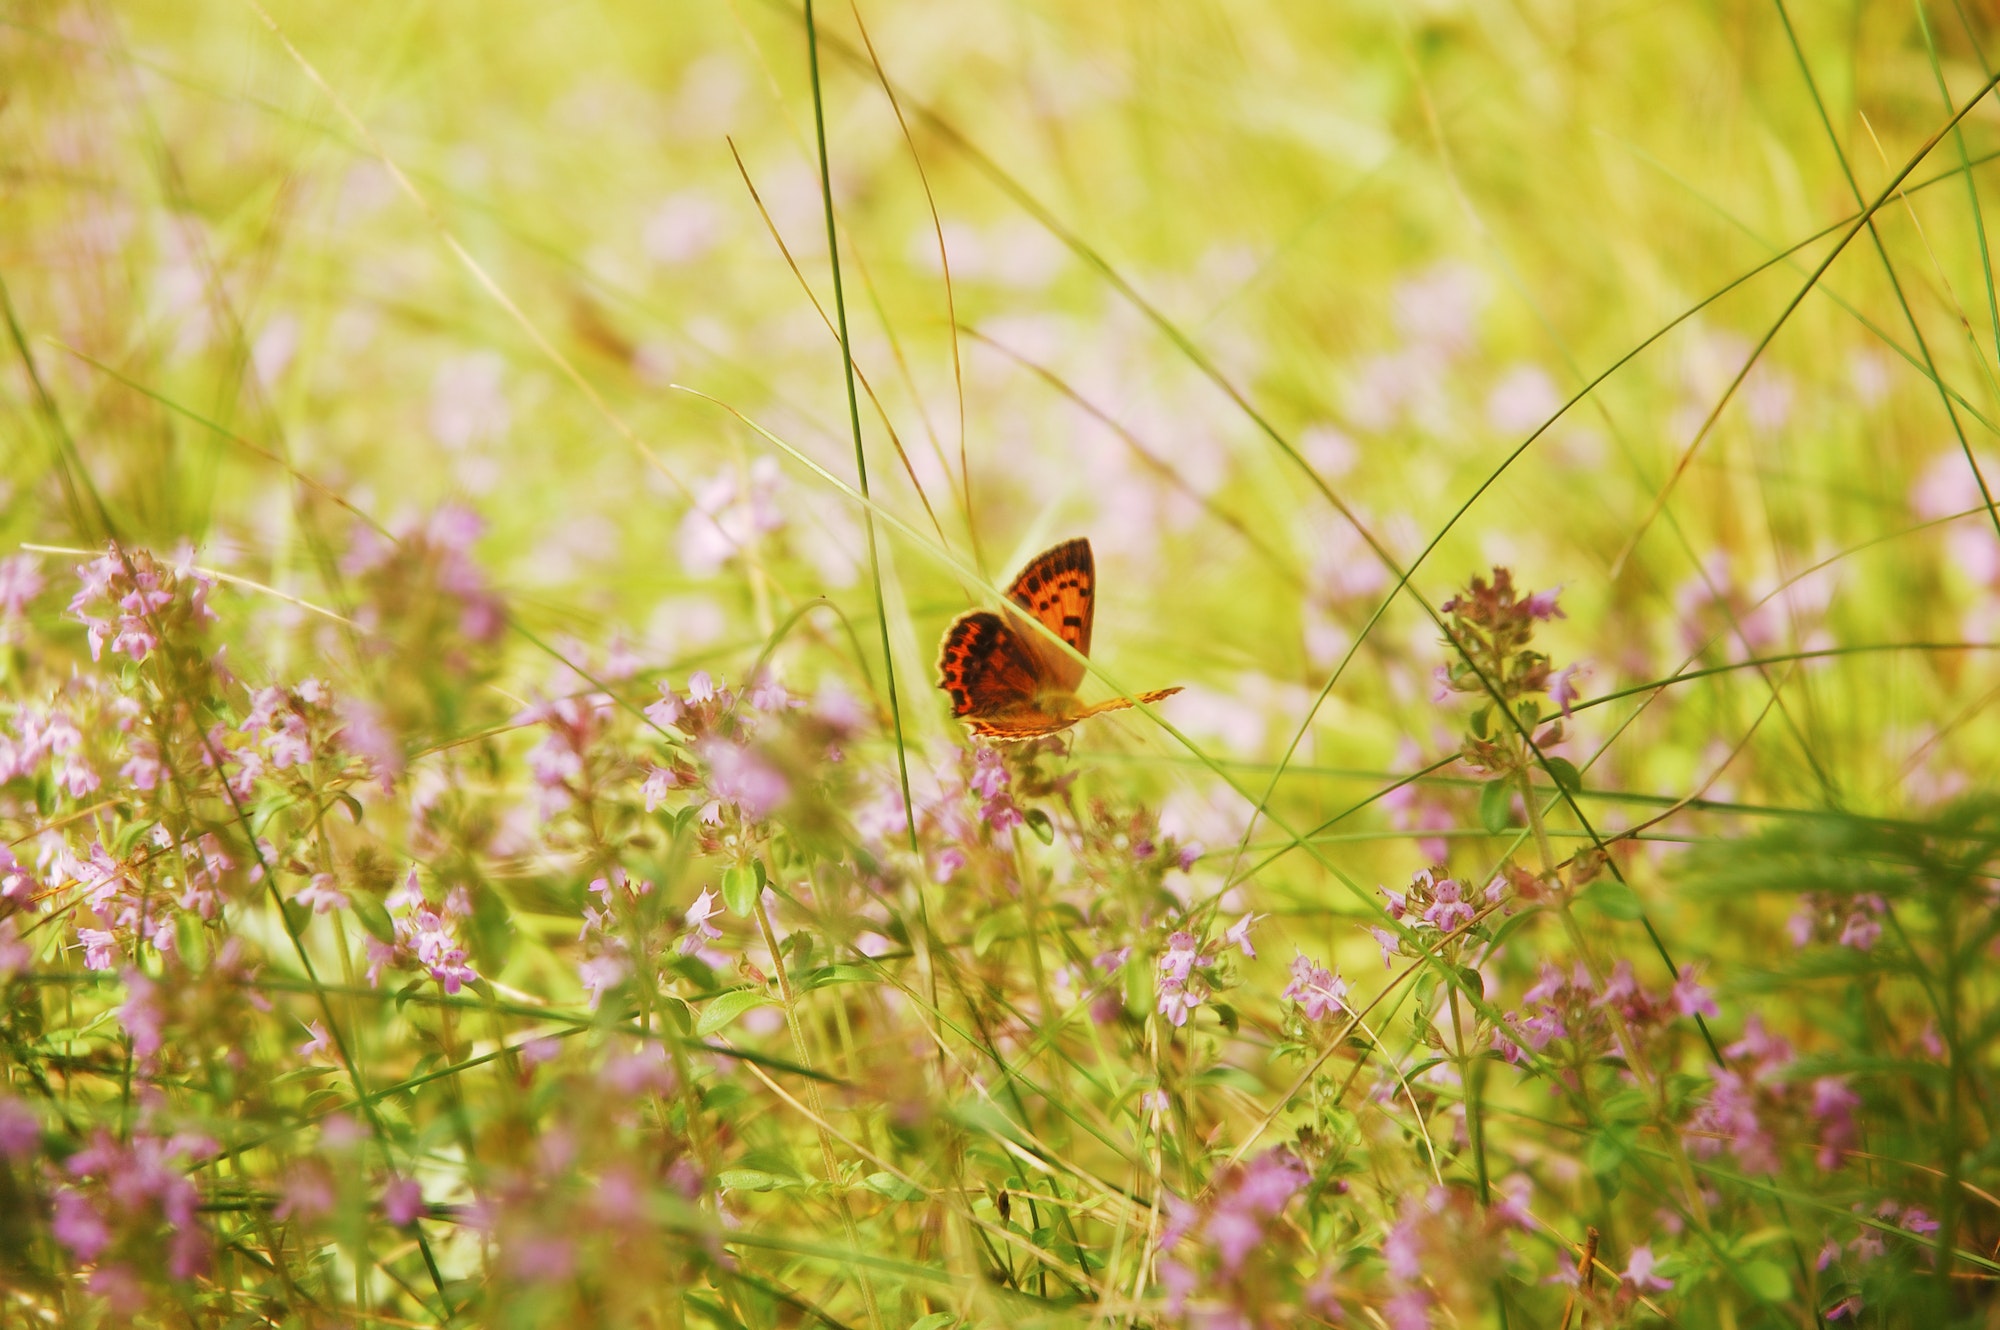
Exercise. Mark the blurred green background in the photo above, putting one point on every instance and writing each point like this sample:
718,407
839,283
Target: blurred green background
1406,233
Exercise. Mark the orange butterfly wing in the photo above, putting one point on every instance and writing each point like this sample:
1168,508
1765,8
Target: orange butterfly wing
1059,588
1007,681
995,679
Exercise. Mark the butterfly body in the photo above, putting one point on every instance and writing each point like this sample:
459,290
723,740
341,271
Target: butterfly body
1006,679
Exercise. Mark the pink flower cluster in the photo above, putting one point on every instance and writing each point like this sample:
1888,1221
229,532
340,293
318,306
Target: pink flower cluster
1850,921
40,736
1318,991
1747,1095
559,765
1243,1202
740,778
1436,908
990,781
21,581
1178,987
426,937
433,554
1568,1006
122,1196
128,599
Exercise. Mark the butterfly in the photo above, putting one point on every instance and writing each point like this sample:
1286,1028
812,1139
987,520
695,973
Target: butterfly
1006,679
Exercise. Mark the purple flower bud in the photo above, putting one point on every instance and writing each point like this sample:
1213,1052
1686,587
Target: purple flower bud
403,1202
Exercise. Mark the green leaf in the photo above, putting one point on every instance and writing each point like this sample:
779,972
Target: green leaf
1607,1151
122,843
893,1187
999,924
1233,1077
1614,899
1565,774
750,1179
713,1310
1038,822
1472,980
1766,1279
739,889
725,1008
297,915
1496,805
770,1159
350,803
1514,924
1480,719
491,932
799,946
838,974
187,935
935,1321
1626,1106
679,1012
263,813
374,917
1227,1015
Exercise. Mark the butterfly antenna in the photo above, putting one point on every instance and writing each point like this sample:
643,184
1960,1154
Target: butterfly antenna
1126,703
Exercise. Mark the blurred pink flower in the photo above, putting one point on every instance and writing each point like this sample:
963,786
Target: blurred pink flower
1834,1104
403,1201
1639,1274
1691,997
20,582
20,1129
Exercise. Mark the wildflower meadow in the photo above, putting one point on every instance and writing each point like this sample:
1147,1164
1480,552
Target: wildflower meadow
894,666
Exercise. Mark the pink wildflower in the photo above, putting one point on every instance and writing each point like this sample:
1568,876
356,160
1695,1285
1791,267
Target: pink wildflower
700,931
403,1202
659,780
322,894
1639,1274
1834,1104
739,776
1238,934
20,582
1691,998
599,973
100,948
1562,688
1317,991
20,1130
667,710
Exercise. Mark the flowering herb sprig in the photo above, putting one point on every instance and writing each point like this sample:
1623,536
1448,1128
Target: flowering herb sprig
1491,629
